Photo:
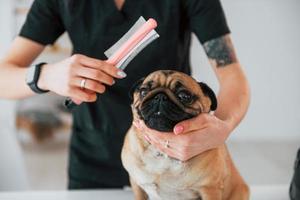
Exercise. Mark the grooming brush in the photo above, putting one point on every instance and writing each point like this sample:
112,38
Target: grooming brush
139,36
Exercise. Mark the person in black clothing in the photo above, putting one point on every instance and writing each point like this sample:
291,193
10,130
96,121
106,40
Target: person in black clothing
100,124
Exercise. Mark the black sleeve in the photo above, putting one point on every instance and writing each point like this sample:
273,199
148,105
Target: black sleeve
43,23
206,18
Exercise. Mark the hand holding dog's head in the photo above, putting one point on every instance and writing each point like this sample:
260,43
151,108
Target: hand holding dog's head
166,97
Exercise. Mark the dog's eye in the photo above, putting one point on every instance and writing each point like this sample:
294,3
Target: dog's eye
185,97
143,92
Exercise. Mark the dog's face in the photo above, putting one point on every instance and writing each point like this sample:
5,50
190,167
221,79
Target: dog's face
166,97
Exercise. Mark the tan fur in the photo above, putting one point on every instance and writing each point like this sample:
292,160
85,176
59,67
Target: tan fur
209,176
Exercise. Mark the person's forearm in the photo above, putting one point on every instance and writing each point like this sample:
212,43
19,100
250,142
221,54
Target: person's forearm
14,65
12,82
234,95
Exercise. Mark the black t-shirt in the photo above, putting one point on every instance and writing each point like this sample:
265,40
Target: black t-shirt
93,26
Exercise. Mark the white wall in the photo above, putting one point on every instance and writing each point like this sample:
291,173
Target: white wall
266,34
12,171
6,22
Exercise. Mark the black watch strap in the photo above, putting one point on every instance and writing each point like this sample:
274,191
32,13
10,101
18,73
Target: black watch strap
36,75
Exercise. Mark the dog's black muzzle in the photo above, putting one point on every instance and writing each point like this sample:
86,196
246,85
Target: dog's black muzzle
160,113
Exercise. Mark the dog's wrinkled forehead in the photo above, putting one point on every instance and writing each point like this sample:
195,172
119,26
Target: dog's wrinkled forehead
171,80
181,88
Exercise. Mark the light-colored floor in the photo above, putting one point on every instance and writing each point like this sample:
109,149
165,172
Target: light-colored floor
265,163
46,164
260,163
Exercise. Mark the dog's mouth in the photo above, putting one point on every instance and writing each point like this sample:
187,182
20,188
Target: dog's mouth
160,113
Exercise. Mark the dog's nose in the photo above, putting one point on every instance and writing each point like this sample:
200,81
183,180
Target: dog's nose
161,97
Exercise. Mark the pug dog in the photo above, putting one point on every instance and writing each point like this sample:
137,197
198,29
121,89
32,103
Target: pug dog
161,100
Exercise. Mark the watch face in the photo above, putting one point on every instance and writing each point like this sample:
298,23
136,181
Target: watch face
30,75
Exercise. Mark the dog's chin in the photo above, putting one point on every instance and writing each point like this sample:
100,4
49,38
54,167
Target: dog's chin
163,116
160,123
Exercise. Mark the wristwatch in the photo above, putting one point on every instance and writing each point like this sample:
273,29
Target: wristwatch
32,77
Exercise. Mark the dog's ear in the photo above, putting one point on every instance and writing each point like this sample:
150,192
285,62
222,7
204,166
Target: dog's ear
135,87
210,93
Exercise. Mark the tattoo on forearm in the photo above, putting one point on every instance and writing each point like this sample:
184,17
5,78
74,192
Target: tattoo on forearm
220,51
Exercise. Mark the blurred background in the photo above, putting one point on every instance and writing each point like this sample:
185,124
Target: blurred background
34,133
